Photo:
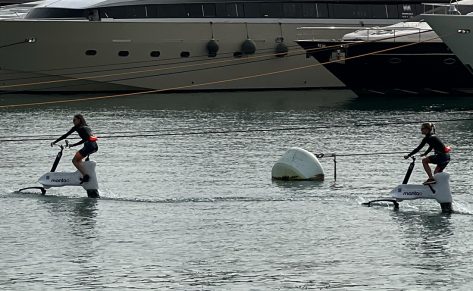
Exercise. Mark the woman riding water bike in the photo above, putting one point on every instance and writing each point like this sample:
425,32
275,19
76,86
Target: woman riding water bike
441,156
87,138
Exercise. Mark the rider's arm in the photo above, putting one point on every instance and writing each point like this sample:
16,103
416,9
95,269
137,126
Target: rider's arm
65,135
422,144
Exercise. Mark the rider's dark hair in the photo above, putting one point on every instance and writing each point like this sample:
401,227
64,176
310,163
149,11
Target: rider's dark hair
81,119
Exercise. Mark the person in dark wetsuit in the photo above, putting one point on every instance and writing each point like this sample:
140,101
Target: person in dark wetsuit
87,138
441,156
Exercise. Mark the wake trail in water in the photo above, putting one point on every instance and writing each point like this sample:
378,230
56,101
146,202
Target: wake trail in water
104,197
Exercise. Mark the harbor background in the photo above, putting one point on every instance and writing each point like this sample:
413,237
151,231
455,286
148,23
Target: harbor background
185,207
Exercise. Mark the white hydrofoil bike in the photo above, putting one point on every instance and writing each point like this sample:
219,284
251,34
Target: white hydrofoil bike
439,191
61,179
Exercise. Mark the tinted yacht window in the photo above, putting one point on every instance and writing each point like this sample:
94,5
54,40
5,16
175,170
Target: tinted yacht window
272,10
56,13
322,10
309,10
392,11
234,10
349,11
193,10
209,10
171,10
123,12
292,10
252,10
379,11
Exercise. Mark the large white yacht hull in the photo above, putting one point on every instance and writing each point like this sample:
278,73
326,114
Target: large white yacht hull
55,58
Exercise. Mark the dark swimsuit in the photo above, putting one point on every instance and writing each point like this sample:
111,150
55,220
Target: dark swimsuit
441,157
89,140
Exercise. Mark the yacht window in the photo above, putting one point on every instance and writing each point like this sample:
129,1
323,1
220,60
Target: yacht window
379,11
193,10
185,54
272,10
252,10
308,10
209,10
170,11
90,52
136,11
234,10
292,10
152,11
155,54
392,11
124,12
221,10
37,13
449,61
322,10
349,11
123,53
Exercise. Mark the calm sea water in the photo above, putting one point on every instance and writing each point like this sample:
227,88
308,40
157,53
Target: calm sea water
185,208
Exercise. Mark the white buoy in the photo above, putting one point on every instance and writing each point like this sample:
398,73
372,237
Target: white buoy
298,164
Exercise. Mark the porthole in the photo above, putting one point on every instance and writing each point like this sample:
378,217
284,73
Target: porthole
185,54
90,52
395,61
449,61
155,54
123,53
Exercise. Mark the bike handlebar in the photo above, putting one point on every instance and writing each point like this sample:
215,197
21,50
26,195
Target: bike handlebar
65,145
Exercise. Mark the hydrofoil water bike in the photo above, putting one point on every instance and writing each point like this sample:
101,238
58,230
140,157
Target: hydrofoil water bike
61,179
439,191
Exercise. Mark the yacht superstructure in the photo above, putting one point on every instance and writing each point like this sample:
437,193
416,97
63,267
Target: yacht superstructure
112,45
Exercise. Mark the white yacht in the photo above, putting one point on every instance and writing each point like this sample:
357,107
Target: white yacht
177,45
456,32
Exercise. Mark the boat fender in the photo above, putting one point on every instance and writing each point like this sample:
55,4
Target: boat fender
212,48
248,47
281,50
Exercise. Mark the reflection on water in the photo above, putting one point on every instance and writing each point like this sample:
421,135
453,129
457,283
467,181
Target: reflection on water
430,238
77,217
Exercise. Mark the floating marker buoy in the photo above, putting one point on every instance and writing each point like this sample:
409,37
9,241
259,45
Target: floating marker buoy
248,47
212,48
298,164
